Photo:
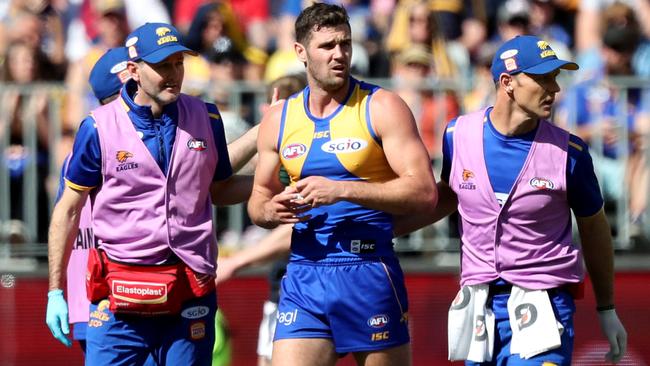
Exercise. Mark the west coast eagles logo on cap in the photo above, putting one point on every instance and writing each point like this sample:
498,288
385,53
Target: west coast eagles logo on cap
163,37
546,49
161,31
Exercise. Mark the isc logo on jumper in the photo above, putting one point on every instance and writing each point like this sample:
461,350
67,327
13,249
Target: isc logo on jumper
344,145
140,292
378,321
197,144
288,317
541,183
293,151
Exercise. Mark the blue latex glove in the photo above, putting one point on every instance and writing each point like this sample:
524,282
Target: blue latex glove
615,333
57,316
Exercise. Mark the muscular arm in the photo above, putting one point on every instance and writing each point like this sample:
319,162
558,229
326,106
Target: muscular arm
414,188
598,252
243,149
233,190
447,204
269,204
64,226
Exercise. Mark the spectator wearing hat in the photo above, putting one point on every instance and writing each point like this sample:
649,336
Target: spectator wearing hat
414,77
106,26
415,23
154,160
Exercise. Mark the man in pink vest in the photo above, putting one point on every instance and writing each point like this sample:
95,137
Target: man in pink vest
153,162
515,178
106,78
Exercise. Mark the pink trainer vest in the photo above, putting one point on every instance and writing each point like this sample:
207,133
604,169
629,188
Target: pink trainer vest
528,241
139,214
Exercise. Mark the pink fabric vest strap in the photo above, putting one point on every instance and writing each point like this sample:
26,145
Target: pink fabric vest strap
140,215
527,241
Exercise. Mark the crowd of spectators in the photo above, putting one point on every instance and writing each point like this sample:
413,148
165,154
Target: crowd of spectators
435,53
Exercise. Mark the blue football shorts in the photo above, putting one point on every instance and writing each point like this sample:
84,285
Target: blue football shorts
360,304
79,331
184,339
563,307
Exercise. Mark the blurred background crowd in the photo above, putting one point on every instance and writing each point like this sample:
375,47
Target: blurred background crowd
435,53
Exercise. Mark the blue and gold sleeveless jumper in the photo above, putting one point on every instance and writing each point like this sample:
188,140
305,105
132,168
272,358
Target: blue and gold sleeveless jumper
343,281
341,146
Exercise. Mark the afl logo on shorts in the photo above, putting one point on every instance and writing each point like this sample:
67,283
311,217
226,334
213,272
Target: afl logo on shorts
344,145
293,151
197,144
378,321
541,183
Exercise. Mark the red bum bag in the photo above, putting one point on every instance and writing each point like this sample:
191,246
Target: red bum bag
143,290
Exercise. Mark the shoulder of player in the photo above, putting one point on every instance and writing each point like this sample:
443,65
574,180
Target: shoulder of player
388,107
270,124
273,114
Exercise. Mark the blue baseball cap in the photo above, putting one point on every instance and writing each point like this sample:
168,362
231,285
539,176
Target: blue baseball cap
528,54
109,73
154,42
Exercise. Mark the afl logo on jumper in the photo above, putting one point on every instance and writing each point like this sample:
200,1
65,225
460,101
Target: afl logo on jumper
344,145
293,151
197,144
541,183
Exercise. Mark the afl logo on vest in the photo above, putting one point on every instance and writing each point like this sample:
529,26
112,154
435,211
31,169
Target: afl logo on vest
293,151
344,145
197,144
541,183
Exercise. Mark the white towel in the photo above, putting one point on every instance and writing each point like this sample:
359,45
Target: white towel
470,326
534,327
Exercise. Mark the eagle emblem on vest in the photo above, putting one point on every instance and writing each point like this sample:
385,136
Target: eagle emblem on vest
122,155
467,174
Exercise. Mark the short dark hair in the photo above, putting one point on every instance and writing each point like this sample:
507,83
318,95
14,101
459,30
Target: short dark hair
317,16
